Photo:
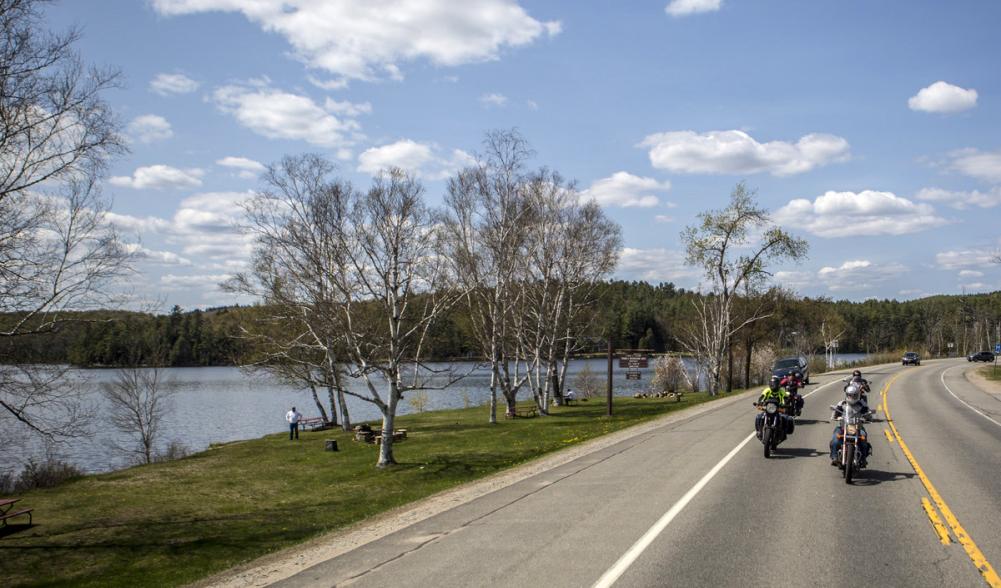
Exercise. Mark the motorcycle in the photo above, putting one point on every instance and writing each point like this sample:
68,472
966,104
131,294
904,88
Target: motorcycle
852,435
795,382
770,424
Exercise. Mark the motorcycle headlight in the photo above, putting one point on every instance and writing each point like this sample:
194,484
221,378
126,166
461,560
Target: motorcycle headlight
771,408
852,429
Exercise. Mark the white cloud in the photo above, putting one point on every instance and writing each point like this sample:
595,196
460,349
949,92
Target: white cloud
654,265
330,85
859,274
685,7
347,108
795,280
248,168
493,99
663,218
963,258
419,158
976,286
961,200
736,152
160,177
135,224
847,214
165,84
944,98
150,127
626,190
157,257
277,114
532,104
971,274
200,281
368,40
977,164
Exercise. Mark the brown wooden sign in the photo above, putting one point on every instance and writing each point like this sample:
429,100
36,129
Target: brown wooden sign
633,361
633,375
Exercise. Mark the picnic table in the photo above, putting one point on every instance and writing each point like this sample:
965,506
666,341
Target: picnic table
7,510
313,423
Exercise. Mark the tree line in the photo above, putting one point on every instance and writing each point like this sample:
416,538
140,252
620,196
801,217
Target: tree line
638,315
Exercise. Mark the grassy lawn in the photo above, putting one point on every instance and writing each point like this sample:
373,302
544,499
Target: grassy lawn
172,523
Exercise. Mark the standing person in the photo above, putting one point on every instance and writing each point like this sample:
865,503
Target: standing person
293,417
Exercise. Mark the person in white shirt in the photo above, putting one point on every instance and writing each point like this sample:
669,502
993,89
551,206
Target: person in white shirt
570,396
293,417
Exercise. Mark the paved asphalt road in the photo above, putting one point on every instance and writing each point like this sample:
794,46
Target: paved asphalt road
787,521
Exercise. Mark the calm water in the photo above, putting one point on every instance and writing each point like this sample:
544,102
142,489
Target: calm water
220,404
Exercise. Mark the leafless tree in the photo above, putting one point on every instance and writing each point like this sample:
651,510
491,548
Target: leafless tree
296,221
570,246
733,259
361,273
484,222
138,401
530,255
57,253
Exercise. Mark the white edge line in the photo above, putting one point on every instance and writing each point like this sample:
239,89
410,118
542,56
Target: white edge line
949,390
630,556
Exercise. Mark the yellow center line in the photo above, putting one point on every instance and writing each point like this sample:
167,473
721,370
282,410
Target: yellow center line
976,556
943,534
889,437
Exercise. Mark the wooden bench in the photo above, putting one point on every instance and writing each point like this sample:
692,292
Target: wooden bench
523,412
16,513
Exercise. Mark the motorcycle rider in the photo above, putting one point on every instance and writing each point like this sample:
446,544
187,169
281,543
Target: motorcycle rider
853,397
774,390
792,382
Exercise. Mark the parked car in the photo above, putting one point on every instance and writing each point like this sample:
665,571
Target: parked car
980,356
911,358
788,365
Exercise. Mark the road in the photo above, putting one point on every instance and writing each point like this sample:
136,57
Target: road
695,503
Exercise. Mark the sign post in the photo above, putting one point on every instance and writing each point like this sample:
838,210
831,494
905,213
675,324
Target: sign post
997,352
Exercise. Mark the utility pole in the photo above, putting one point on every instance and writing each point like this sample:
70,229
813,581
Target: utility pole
608,390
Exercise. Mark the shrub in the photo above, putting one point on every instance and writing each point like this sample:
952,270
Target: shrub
44,474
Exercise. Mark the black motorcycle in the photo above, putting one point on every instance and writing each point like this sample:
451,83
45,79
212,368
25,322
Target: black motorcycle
852,436
771,424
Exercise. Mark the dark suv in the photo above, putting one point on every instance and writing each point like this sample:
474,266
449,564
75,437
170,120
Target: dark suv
911,358
789,365
980,356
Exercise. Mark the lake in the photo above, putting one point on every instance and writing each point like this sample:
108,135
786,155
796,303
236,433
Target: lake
221,404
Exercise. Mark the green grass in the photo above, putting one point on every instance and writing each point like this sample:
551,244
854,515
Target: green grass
175,522
991,373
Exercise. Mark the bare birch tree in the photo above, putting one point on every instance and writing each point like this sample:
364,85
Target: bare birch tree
296,221
570,246
733,259
360,273
484,223
57,252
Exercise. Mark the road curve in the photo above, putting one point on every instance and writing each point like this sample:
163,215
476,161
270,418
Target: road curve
734,518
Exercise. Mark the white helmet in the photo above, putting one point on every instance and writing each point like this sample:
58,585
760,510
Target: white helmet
852,393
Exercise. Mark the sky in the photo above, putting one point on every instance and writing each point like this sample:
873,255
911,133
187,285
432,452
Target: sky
868,128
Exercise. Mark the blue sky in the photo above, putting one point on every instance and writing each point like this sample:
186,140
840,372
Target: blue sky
870,129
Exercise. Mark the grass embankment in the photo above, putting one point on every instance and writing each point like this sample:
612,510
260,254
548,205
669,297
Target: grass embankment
174,522
991,373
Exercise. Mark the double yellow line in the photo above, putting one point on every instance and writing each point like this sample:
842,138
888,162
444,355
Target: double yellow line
977,556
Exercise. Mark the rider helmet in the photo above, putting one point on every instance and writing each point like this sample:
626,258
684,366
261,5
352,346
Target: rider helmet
774,383
857,374
852,393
